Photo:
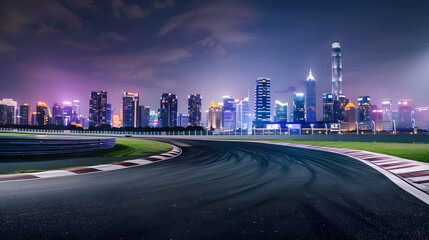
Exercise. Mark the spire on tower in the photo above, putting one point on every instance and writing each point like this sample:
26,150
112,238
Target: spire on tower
310,76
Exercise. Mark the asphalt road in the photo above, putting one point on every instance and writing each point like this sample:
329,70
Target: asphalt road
218,190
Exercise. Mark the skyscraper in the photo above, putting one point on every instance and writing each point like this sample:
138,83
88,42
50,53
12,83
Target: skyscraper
67,112
42,114
76,111
376,118
298,107
25,113
97,108
11,108
246,118
328,107
183,120
422,118
404,114
215,117
194,109
130,108
109,114
57,114
386,106
349,117
339,107
144,113
337,75
364,111
3,114
229,113
310,98
262,100
153,119
281,112
168,110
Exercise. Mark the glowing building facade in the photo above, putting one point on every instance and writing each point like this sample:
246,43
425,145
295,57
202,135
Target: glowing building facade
97,108
328,107
43,113
215,117
386,106
281,112
337,75
229,114
25,114
67,112
310,98
194,109
404,114
57,114
168,110
130,109
298,107
263,100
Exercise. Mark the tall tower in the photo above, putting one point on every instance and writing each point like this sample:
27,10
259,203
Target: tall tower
168,110
194,109
130,109
262,100
337,75
310,100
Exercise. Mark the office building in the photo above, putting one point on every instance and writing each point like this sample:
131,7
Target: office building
339,107
229,113
310,98
281,112
386,106
194,109
364,109
3,114
67,112
244,118
215,117
328,107
11,109
404,114
168,110
116,121
109,114
262,100
97,108
130,108
298,107
43,113
376,118
422,118
57,114
183,120
144,116
153,119
75,111
25,114
337,75
349,123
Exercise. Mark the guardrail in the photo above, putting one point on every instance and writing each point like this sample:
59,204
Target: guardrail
28,146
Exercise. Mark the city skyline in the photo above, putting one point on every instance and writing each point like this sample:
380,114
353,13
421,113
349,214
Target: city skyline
375,64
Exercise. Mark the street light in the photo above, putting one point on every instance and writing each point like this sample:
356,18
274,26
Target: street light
394,126
326,129
414,125
374,125
312,126
357,128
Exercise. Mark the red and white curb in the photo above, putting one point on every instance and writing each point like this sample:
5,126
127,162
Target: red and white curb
405,173
92,169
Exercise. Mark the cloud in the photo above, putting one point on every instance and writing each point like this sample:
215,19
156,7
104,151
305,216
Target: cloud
147,66
5,47
82,3
119,8
163,4
224,20
287,90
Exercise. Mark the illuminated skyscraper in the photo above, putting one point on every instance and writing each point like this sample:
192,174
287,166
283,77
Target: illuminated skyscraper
364,111
386,106
67,112
328,107
194,109
298,107
3,114
183,120
337,75
76,111
376,118
130,109
262,100
144,116
349,117
168,110
57,114
310,98
153,119
245,117
97,108
422,118
229,113
339,107
404,114
109,114
281,112
43,114
25,113
215,117
12,107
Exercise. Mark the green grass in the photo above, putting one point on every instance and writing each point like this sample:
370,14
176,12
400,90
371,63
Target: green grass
413,151
132,147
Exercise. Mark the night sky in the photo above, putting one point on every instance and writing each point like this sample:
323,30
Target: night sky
61,50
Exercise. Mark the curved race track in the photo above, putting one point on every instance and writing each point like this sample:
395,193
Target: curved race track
218,190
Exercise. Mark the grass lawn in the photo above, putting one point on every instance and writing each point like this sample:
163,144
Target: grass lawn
132,147
413,151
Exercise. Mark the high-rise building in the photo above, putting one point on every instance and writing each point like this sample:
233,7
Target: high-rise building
337,75
57,114
245,117
386,106
67,112
349,118
3,114
130,108
25,113
229,113
183,120
310,98
75,111
153,119
109,114
364,110
281,112
422,118
404,114
339,107
43,114
376,118
11,108
194,109
215,117
298,107
206,115
168,110
144,116
328,107
97,108
262,100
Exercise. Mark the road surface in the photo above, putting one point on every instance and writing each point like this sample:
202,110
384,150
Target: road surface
218,190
